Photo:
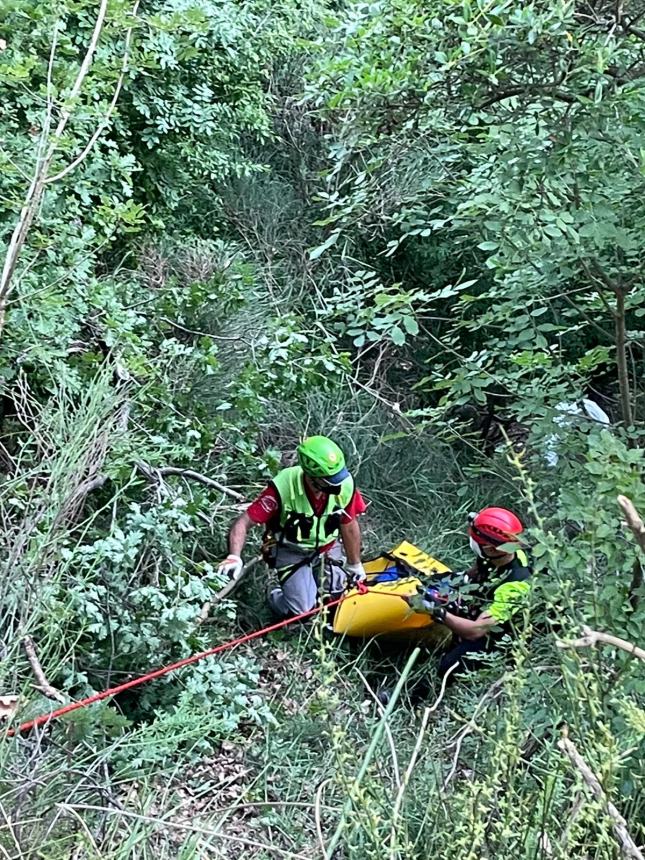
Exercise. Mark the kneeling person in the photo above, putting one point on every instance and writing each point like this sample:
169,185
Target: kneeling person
305,509
493,590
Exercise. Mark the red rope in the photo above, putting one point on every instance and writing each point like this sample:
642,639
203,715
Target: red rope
158,673
362,588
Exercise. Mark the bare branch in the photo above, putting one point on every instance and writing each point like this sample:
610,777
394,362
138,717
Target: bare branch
317,816
415,754
106,119
35,192
387,729
590,638
153,473
43,684
198,333
530,89
633,520
493,691
627,844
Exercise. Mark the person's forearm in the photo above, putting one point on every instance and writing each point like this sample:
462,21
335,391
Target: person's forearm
351,534
466,628
238,533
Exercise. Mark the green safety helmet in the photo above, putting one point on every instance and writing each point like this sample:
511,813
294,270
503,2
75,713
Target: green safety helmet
319,457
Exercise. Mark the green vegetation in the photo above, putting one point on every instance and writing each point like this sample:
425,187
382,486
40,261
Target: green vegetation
415,227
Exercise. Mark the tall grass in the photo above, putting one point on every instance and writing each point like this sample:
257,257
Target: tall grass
476,772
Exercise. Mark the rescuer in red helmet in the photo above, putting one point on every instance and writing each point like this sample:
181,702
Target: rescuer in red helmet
493,591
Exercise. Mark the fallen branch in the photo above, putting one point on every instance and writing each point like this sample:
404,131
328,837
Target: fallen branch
590,638
43,684
629,847
153,474
633,520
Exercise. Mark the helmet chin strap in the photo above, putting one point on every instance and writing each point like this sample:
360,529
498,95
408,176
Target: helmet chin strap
475,547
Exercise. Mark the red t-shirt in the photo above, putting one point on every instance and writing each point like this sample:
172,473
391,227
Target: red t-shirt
267,505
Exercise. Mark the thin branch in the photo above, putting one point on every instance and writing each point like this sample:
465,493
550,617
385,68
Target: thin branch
529,89
199,333
571,818
153,474
633,520
415,754
621,359
37,187
590,638
592,322
627,844
371,750
635,31
317,816
106,119
395,407
471,726
388,730
43,684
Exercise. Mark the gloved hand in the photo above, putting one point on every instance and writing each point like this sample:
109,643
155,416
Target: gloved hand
425,602
356,572
232,566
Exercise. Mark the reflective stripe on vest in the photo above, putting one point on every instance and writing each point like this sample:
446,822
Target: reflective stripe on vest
298,523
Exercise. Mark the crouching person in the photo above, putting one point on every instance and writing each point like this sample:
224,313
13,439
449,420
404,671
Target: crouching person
307,511
493,591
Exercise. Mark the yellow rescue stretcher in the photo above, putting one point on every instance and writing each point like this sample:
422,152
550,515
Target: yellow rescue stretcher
380,611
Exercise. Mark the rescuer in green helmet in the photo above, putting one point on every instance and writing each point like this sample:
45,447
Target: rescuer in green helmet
306,509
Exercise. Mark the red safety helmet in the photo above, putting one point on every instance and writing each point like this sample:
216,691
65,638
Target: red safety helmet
494,526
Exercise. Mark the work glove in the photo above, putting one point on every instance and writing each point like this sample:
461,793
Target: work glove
426,602
231,566
356,573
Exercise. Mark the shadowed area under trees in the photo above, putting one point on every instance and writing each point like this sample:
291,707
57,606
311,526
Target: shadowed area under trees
229,224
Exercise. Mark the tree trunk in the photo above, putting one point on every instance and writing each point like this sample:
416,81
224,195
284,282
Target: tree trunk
621,359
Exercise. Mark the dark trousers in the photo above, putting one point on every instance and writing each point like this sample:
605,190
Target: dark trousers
464,654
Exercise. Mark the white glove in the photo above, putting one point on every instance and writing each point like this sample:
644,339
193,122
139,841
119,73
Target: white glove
232,566
356,572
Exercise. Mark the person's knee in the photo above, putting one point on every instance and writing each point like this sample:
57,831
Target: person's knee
298,604
299,592
287,602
